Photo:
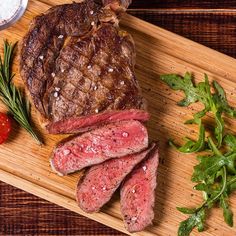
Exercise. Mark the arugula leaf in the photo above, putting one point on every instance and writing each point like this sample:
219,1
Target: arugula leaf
191,146
231,184
208,188
208,166
198,215
186,210
219,129
197,116
213,147
216,172
216,103
227,212
185,84
195,220
221,100
230,141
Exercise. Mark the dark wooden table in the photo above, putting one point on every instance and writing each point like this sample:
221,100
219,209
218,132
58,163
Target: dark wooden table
209,22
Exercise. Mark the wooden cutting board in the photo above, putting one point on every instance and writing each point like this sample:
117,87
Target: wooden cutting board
25,165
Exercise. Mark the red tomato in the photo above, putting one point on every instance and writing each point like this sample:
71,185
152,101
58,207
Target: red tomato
5,127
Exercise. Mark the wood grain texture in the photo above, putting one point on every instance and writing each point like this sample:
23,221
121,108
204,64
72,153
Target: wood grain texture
34,216
193,25
184,4
212,29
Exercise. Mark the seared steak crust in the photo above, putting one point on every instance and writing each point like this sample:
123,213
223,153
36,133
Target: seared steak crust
75,61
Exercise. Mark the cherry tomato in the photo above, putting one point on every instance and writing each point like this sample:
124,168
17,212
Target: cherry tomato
5,127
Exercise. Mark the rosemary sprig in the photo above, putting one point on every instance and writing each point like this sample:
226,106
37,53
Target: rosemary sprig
11,96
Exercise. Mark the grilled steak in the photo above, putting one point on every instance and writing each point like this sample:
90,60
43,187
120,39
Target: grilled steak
100,182
76,62
138,194
110,141
82,124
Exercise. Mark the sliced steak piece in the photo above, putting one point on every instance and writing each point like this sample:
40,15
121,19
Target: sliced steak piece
110,141
82,124
75,62
138,194
99,183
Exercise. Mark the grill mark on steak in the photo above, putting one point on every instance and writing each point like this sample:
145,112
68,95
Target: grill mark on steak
79,50
32,57
44,32
97,99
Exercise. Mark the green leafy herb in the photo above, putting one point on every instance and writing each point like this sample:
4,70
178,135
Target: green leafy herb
10,95
215,174
185,84
215,103
230,141
227,212
191,146
220,99
195,220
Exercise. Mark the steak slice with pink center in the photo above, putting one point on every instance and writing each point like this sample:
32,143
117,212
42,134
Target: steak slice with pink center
85,123
99,183
138,194
94,147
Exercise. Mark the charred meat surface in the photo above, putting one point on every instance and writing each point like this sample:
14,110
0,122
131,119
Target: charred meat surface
76,62
99,183
138,194
82,124
110,141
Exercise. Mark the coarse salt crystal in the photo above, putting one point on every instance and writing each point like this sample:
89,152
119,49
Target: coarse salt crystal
66,152
61,36
89,66
122,82
96,110
93,188
104,188
91,12
134,218
110,70
133,191
125,134
62,70
56,94
57,89
95,88
41,57
92,23
144,168
53,74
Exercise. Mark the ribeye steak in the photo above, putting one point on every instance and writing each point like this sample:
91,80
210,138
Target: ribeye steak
77,62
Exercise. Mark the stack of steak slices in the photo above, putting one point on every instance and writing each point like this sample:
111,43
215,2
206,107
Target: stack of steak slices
78,66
